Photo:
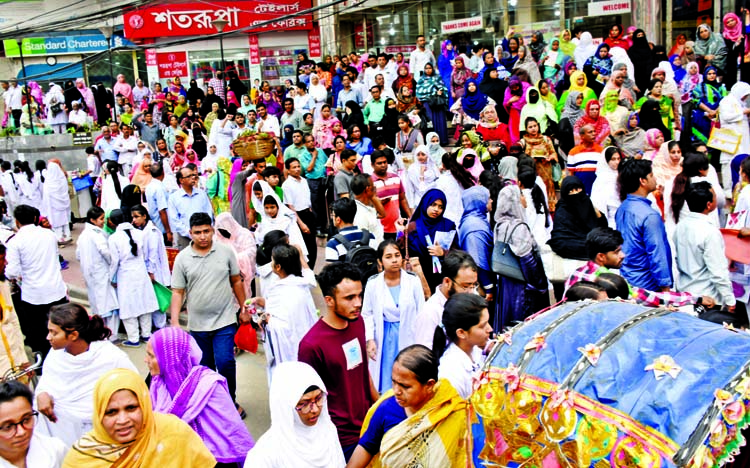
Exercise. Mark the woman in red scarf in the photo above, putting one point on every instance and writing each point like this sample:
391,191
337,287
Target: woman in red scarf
592,117
679,46
616,39
460,74
404,78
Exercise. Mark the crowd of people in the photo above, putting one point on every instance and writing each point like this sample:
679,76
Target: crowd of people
578,172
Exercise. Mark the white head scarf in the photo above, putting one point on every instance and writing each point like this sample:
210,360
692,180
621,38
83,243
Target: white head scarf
620,55
585,49
55,194
289,443
740,90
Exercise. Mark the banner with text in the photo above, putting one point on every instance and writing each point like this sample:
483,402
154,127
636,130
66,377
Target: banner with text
172,64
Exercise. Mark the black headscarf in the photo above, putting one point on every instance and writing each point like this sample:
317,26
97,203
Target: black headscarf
208,102
287,134
355,117
643,60
575,216
72,94
200,146
194,93
101,97
649,117
236,85
494,88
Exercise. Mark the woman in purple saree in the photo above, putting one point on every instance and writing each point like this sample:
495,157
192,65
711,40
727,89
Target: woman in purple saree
196,394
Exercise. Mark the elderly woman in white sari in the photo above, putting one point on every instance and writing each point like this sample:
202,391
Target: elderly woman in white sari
27,447
393,299
301,432
80,355
56,201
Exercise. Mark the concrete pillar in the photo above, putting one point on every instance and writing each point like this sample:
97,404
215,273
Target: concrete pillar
327,24
647,15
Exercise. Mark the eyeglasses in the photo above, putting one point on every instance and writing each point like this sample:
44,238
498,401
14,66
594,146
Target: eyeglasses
9,430
472,288
305,408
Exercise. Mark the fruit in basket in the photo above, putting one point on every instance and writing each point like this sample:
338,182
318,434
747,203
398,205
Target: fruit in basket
249,136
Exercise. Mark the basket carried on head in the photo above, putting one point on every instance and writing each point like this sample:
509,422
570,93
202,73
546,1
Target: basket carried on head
254,149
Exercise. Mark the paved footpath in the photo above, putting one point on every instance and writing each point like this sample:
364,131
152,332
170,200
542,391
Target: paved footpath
252,381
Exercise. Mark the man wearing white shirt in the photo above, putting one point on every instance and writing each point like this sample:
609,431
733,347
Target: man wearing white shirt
14,102
297,197
77,117
267,123
381,68
33,257
126,146
420,57
701,263
459,276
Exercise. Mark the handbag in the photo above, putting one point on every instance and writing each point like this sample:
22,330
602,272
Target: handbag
438,101
246,338
725,140
504,261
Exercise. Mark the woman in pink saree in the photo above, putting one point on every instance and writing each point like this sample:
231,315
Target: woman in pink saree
229,232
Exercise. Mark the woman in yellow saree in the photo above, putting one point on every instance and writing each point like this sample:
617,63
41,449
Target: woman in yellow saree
419,422
128,434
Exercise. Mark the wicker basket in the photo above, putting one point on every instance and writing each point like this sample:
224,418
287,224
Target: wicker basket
251,150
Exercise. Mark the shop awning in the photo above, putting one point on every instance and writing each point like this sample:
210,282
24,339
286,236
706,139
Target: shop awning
44,72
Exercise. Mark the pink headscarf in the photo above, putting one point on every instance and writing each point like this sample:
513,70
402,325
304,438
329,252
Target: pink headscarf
734,34
651,136
477,168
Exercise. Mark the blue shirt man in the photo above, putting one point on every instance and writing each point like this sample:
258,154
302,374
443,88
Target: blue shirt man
648,257
184,202
105,147
157,199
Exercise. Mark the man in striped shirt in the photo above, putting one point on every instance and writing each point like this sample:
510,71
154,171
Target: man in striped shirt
390,191
582,159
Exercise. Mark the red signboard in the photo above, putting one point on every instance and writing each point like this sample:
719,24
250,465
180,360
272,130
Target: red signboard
313,42
254,49
195,19
172,64
150,57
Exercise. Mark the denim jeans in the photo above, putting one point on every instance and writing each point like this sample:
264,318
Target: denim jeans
318,200
218,353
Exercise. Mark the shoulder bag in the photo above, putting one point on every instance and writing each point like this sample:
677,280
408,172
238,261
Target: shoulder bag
504,261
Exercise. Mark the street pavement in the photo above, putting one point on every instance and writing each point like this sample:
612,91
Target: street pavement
252,380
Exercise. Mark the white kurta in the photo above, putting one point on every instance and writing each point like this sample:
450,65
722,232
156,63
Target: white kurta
56,198
378,306
44,452
92,252
289,302
732,117
9,183
29,191
70,381
155,254
135,293
222,137
110,200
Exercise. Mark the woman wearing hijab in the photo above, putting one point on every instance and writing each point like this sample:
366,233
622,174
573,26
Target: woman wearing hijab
445,63
208,101
54,102
575,217
430,87
655,93
469,160
468,107
592,117
71,94
88,103
491,128
552,62
494,88
516,299
432,140
475,235
632,139
406,100
706,99
526,63
488,63
649,117
242,242
653,139
421,176
430,234
404,78
318,93
578,82
287,137
459,76
605,195
737,46
733,114
616,39
217,186
513,102
154,439
541,148
195,93
679,46
540,109
537,46
196,394
566,45
711,49
584,50
237,179
643,59
276,215
691,80
323,128
301,433
56,200
598,68
141,173
615,113
572,111
353,116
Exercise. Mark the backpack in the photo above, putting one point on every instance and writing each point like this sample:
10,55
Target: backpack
360,254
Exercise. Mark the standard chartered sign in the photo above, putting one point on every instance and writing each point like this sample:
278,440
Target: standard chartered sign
59,45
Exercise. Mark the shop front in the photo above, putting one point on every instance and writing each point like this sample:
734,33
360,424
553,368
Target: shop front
264,52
